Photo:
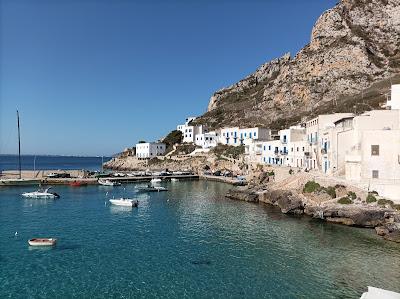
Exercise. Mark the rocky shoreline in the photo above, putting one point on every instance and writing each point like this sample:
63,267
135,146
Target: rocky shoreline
385,220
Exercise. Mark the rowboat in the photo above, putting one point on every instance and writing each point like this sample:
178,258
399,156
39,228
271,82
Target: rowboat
78,184
126,202
42,242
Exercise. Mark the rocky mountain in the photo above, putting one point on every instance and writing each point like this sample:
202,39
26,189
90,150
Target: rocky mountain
353,45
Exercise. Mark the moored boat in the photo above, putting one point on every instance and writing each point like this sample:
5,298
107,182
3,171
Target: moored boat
126,202
152,189
174,180
78,184
155,181
42,242
41,194
108,183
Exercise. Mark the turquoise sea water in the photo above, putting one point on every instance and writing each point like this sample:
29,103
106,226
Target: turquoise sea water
189,242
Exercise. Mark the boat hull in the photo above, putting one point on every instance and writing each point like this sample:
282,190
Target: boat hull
42,242
39,196
124,203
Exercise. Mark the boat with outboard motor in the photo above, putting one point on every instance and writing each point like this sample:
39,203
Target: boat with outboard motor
126,202
40,193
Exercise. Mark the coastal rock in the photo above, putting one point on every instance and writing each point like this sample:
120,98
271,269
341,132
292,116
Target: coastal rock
288,201
243,194
381,231
353,45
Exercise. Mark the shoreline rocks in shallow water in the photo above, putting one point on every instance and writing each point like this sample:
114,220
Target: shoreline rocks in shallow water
386,221
243,194
289,202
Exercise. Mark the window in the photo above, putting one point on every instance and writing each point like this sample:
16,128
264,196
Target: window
291,149
375,174
303,148
255,134
297,149
269,148
250,135
264,147
374,150
223,134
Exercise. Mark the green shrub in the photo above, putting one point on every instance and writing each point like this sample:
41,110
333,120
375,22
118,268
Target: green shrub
374,193
339,186
351,195
345,200
311,186
383,202
396,207
271,173
173,137
331,191
370,198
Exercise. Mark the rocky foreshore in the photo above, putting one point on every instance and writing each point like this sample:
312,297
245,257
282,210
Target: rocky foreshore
385,220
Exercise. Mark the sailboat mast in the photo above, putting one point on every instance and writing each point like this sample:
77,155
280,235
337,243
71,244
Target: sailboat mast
19,146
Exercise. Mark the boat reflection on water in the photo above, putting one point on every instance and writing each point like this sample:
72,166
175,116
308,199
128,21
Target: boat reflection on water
120,209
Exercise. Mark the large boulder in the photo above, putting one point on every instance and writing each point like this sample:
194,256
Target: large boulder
289,202
244,194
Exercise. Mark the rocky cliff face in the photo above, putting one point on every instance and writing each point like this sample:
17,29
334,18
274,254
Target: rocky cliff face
352,45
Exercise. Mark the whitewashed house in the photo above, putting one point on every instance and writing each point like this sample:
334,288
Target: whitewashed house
206,140
271,151
150,150
236,136
189,131
314,128
372,157
288,150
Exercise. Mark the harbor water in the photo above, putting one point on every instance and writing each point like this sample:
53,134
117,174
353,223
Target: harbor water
189,242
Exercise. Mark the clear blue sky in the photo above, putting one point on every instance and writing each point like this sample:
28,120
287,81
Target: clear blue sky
93,77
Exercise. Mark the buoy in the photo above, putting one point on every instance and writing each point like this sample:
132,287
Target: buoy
16,234
105,203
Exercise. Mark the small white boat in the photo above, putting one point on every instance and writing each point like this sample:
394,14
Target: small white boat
108,183
41,194
174,180
42,242
155,181
126,202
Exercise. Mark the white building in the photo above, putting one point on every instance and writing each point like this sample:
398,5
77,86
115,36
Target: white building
372,154
150,150
288,150
206,140
314,128
189,131
236,136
